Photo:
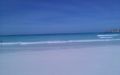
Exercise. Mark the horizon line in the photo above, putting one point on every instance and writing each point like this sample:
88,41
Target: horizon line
56,33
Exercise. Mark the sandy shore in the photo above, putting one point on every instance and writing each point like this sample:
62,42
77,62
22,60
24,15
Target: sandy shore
100,60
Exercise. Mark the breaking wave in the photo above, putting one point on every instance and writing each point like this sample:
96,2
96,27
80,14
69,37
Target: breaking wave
56,42
108,35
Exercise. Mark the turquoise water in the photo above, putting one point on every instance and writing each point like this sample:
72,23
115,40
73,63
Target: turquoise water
58,38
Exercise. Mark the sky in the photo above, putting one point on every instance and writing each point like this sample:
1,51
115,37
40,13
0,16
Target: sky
58,16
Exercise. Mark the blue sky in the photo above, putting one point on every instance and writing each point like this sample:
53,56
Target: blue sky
58,16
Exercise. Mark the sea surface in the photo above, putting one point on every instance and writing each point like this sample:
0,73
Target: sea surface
58,38
50,41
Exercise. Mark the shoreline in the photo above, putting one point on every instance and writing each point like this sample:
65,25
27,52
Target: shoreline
50,47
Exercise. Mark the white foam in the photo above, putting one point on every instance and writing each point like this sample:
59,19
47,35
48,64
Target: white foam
108,35
57,42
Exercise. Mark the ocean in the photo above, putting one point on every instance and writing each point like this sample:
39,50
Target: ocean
58,38
60,54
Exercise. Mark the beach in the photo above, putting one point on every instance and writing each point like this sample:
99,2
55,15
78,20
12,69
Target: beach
59,37
71,54
94,60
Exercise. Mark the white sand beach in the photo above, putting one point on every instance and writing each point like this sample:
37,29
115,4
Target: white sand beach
100,60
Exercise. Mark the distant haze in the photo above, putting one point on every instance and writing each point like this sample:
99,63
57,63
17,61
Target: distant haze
58,16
